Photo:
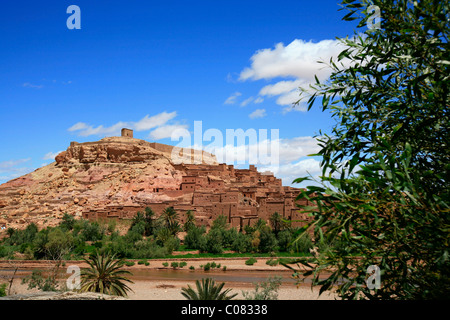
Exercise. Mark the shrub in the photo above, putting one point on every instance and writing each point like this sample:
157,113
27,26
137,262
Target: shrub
183,264
195,238
303,243
207,267
165,264
174,264
191,268
242,243
267,290
272,262
129,263
172,244
3,290
92,231
37,280
214,242
68,221
284,239
250,261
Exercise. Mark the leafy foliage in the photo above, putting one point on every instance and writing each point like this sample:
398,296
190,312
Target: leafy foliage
266,290
41,282
170,220
207,290
190,221
3,289
385,167
104,275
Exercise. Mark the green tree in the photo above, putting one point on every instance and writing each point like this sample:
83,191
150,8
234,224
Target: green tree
138,218
277,223
190,221
68,221
59,243
149,219
268,241
104,275
170,220
220,223
214,241
195,237
207,290
384,196
242,243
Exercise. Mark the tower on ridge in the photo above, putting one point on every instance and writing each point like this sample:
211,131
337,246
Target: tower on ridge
127,133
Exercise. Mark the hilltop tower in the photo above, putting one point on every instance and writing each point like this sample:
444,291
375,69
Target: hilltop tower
127,133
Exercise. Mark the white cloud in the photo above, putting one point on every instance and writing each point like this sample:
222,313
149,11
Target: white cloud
296,148
290,171
247,101
297,60
258,113
86,130
258,100
7,165
286,158
302,107
9,169
51,155
146,123
258,149
167,131
33,86
281,87
232,99
78,126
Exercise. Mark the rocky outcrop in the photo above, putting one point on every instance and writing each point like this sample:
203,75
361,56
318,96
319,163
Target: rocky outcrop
120,150
119,176
112,171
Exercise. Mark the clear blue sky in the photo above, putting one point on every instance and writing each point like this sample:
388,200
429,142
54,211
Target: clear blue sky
181,61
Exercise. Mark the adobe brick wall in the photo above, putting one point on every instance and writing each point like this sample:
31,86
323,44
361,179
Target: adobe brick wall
242,195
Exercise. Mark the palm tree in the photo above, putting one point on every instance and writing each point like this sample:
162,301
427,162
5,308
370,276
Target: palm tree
149,217
207,290
190,221
137,218
169,218
104,276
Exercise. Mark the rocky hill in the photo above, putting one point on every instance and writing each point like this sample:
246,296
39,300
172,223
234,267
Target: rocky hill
119,176
114,170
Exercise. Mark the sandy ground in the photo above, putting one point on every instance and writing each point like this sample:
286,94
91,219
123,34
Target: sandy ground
157,288
171,290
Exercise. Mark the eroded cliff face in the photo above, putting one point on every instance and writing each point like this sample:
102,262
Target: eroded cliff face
110,150
112,171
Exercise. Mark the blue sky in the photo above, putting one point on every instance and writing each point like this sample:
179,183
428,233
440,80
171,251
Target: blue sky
156,66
